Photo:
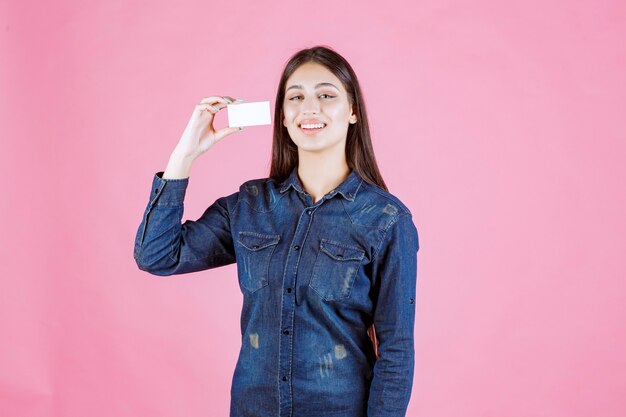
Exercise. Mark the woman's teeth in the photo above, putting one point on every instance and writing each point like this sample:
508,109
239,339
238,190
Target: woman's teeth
314,126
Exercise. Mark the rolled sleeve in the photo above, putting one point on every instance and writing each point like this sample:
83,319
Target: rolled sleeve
395,279
164,246
168,192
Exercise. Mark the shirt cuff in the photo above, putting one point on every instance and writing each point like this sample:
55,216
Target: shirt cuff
168,192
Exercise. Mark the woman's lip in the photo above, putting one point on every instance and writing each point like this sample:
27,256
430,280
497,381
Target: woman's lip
311,131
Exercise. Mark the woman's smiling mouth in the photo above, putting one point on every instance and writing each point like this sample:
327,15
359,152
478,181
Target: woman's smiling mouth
312,127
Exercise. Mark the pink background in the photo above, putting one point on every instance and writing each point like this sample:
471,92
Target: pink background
501,124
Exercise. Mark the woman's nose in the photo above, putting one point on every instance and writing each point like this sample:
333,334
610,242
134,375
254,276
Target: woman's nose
310,106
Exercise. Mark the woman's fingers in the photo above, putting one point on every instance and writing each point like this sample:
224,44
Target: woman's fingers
225,132
214,104
206,107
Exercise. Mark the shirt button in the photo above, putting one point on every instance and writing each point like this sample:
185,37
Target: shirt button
156,190
285,378
288,289
296,247
286,332
308,212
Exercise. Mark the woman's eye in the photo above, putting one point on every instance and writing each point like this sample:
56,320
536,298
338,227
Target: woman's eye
327,95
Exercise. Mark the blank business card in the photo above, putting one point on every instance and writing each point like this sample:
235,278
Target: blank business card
249,114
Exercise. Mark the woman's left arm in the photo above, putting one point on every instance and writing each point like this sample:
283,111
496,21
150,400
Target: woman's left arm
395,279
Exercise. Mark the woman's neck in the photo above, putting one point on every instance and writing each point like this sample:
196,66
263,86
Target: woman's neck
320,174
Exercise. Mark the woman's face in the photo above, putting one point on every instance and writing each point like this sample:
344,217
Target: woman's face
314,95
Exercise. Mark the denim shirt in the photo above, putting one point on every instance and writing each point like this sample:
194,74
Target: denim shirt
314,277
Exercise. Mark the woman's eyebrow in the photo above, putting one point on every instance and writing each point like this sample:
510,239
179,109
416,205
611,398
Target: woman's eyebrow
316,86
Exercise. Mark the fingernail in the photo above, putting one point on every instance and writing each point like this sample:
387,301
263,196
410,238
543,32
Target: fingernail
239,99
227,99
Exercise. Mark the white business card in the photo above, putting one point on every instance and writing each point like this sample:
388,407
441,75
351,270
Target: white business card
249,114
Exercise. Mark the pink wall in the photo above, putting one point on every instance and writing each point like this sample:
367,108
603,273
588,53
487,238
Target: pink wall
501,124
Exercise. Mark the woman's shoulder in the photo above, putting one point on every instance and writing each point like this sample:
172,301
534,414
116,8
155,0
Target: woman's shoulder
253,185
259,193
373,207
390,203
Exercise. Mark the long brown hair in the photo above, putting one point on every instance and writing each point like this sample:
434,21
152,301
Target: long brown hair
359,151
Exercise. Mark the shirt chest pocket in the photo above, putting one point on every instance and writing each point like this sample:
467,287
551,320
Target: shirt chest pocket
335,269
253,259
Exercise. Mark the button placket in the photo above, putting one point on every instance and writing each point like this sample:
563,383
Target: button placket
288,311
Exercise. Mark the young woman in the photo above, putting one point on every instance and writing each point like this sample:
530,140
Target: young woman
326,256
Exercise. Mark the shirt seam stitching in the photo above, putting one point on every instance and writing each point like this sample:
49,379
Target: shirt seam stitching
393,222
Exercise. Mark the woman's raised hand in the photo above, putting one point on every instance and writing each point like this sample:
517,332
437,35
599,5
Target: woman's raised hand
200,135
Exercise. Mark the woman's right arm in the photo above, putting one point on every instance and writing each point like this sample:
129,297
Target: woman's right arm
164,246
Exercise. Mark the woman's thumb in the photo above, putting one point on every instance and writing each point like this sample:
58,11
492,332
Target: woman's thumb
226,131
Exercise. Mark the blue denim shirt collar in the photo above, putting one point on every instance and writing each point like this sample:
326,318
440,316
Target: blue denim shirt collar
348,188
